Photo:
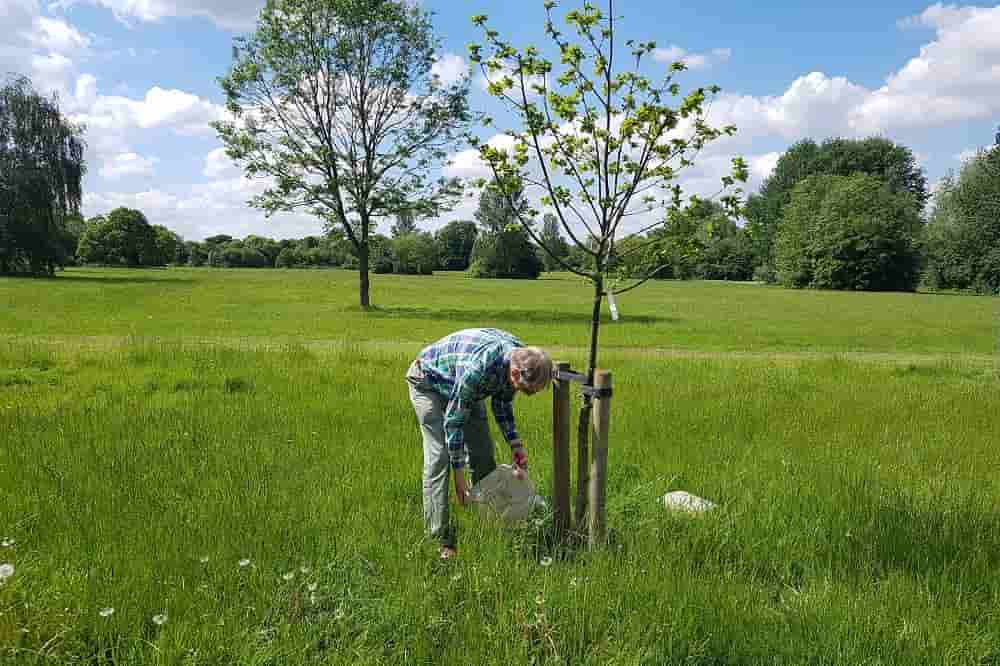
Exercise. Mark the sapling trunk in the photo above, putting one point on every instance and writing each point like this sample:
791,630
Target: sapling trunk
583,428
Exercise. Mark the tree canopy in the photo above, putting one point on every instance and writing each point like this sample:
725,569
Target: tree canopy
849,232
41,173
336,103
893,164
963,234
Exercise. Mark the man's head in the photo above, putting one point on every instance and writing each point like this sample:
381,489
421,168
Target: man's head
530,369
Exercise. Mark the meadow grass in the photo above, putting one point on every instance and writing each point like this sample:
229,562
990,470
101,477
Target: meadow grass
143,463
278,306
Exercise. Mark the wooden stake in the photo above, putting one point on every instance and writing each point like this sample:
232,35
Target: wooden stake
560,453
582,465
596,532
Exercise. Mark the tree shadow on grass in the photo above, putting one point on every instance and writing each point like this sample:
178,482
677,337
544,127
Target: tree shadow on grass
103,279
539,316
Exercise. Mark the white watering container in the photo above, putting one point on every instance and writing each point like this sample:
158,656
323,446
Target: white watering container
503,493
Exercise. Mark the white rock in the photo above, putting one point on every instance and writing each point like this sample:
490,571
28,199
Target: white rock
683,501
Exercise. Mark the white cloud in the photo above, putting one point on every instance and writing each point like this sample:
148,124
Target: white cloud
177,110
51,72
450,68
218,164
675,53
235,15
466,163
39,46
531,82
955,78
201,210
762,166
56,35
128,164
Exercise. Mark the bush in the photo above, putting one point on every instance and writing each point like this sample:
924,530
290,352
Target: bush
414,254
849,232
507,253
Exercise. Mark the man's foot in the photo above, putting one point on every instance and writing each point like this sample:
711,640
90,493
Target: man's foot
447,552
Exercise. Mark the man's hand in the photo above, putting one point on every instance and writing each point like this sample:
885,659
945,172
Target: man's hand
519,455
461,490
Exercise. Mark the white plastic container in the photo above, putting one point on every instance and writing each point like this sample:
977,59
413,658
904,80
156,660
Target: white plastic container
503,494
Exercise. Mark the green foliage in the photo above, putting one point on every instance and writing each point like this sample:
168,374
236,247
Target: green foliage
849,232
505,254
503,247
600,142
454,244
963,234
125,238
892,163
167,243
551,238
380,254
41,171
336,101
701,242
406,223
414,254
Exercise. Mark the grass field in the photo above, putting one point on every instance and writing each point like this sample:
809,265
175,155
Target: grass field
233,454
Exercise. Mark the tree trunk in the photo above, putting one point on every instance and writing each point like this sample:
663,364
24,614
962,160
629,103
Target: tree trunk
363,274
583,427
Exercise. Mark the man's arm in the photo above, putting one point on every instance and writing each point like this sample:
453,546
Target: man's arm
503,412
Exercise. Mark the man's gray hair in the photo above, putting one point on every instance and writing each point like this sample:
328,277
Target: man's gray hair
534,364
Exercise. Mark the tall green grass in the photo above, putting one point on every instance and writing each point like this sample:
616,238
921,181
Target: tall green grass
857,519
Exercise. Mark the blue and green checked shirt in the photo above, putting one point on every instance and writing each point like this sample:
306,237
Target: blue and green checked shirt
465,367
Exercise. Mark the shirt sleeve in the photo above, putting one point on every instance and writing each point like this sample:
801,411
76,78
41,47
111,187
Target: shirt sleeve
463,397
503,412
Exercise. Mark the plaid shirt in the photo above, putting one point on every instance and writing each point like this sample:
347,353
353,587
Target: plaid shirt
465,367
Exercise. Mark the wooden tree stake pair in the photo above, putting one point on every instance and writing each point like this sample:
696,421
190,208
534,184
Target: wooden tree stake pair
591,483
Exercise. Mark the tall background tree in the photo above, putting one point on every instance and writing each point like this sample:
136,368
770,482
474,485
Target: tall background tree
335,101
893,164
503,247
552,238
124,237
455,241
406,223
41,170
963,233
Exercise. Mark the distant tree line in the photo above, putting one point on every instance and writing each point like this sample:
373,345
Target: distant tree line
842,214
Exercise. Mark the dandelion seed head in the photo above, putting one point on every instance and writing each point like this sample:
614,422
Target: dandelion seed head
160,619
244,562
546,561
6,571
106,612
7,542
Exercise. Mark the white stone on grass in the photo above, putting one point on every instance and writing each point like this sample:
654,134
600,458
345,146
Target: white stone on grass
686,502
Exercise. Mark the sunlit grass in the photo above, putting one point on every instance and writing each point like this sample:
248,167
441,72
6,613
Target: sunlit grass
260,503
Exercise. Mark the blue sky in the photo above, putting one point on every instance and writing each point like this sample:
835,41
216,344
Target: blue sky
142,75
